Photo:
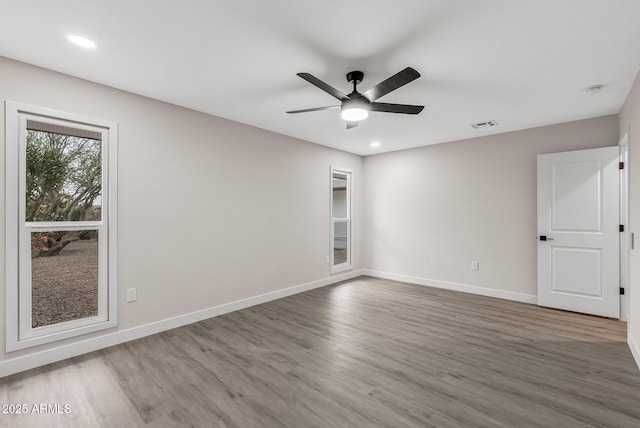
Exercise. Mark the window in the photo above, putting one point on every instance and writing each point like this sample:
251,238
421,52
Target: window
340,220
60,224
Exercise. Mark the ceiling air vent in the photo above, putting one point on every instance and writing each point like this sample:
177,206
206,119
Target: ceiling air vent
485,124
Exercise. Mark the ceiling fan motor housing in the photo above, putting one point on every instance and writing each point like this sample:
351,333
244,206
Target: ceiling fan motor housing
355,77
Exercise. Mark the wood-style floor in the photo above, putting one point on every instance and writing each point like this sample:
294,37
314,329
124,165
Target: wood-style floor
364,353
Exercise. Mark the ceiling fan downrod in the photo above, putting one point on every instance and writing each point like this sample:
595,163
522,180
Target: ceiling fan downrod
356,78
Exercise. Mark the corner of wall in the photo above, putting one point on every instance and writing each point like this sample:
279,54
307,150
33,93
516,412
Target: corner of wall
629,121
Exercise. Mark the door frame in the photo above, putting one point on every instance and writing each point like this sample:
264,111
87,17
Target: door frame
348,264
625,237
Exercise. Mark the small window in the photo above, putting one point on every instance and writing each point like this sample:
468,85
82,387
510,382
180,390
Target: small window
61,225
340,220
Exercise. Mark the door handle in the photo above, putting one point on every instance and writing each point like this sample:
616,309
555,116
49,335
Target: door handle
546,238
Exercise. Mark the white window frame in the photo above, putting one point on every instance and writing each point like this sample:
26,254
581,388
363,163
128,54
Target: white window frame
19,331
348,265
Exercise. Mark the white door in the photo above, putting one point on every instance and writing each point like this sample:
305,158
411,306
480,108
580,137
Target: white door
578,231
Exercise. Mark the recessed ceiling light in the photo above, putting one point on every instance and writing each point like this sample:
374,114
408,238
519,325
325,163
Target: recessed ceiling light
375,144
81,41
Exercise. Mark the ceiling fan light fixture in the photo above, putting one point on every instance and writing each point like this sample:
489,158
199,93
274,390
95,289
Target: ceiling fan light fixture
354,110
354,114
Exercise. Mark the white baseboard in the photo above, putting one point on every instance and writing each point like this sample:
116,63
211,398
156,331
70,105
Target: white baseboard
27,362
635,350
472,289
37,359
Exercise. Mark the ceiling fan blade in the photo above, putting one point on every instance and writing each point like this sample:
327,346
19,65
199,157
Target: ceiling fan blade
312,109
396,108
351,125
325,87
392,83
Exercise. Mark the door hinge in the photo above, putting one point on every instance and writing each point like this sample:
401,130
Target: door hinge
621,228
620,165
621,291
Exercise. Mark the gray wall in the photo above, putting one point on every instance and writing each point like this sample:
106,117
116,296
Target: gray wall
210,211
430,211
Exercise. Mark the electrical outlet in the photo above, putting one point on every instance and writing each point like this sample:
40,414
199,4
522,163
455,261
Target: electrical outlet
475,265
131,295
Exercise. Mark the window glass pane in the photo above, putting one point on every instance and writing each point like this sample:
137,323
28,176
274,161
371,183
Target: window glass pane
63,176
64,276
339,242
339,192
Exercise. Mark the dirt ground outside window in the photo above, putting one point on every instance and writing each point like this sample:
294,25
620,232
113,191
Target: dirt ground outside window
65,286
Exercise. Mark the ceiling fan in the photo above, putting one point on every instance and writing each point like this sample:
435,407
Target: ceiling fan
356,106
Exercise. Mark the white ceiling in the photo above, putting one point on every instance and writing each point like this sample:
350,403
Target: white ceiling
521,63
